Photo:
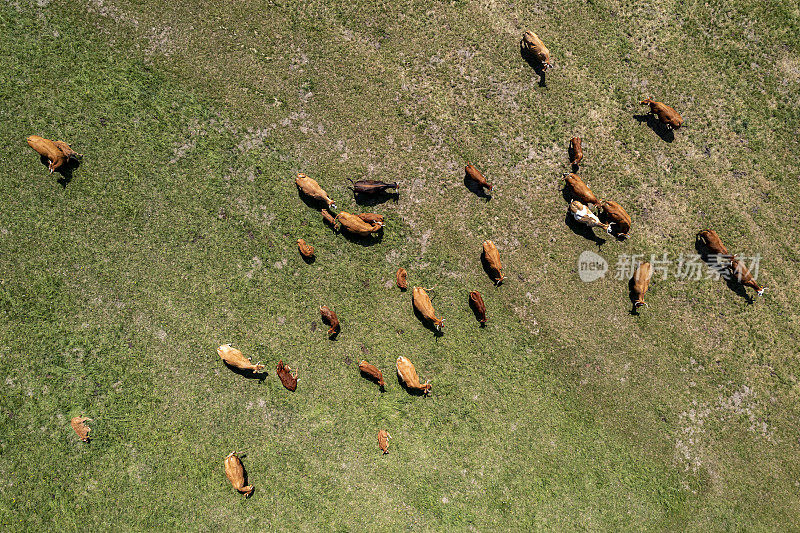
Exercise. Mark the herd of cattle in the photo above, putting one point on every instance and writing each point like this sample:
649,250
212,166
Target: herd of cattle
610,217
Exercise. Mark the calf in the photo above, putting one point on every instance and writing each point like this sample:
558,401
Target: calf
422,303
743,276
665,113
578,189
78,424
306,250
402,278
639,283
478,307
575,152
372,372
353,224
409,375
475,175
532,46
492,258
327,217
615,214
330,318
234,471
383,440
288,379
582,214
372,186
236,359
311,188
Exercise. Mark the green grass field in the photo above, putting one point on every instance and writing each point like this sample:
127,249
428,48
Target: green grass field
177,234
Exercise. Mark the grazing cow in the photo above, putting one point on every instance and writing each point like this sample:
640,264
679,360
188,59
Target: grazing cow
288,379
234,471
712,242
422,303
372,372
492,257
575,151
48,149
475,175
80,427
476,302
306,250
532,46
383,441
371,218
579,190
330,318
312,189
640,282
236,359
409,375
616,215
353,224
667,115
402,278
739,271
372,186
582,214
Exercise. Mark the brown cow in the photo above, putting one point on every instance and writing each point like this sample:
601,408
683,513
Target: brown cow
492,257
311,188
409,375
372,186
710,239
579,190
78,424
475,175
575,151
422,303
306,250
372,372
582,214
49,150
739,271
383,440
353,224
330,318
615,214
665,113
532,46
288,379
371,218
640,282
327,217
236,359
234,471
476,302
402,278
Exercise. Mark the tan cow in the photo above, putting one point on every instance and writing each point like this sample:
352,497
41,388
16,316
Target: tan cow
532,46
234,471
409,375
402,278
79,425
422,303
665,113
236,359
372,372
355,225
311,188
579,190
383,440
640,282
492,257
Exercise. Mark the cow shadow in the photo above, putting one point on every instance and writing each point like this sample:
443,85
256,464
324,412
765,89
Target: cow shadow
634,311
661,129
249,374
373,379
537,66
476,188
66,170
369,240
374,199
309,260
583,230
710,260
412,392
427,323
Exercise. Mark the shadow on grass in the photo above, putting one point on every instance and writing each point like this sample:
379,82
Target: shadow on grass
476,188
427,323
412,392
710,260
666,134
369,240
309,260
248,373
583,230
535,64
488,270
376,198
65,172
